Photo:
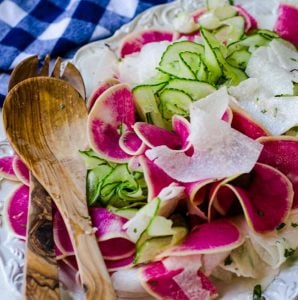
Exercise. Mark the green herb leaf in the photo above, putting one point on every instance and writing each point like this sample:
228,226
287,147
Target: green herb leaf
289,252
257,293
228,261
280,226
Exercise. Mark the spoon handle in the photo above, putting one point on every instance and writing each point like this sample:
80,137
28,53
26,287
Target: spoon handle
41,280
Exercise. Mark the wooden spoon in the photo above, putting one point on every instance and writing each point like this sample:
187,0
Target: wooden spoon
45,121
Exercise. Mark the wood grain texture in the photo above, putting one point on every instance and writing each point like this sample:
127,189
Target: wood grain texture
42,281
45,121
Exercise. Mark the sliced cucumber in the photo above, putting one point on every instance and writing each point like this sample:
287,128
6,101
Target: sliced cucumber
160,226
151,248
171,63
251,42
209,21
195,89
127,213
239,59
202,74
268,33
225,12
95,179
192,60
91,159
211,61
146,103
231,30
174,102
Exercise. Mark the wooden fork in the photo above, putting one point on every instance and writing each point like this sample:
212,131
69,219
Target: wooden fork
41,273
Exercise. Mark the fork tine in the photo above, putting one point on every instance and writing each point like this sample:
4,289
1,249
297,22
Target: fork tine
25,69
73,76
46,65
57,68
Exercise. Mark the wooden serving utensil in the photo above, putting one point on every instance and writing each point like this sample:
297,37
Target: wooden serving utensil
45,121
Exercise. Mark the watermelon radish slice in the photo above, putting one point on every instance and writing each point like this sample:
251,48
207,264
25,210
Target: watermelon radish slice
71,262
250,21
196,192
115,265
182,127
61,237
154,136
246,125
264,191
214,237
6,168
114,243
156,179
21,170
113,111
228,116
131,144
280,152
16,210
99,90
185,282
135,41
286,24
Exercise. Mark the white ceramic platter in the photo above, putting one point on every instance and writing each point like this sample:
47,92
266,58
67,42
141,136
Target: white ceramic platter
280,286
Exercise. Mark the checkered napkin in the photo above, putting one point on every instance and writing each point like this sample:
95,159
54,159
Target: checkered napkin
58,27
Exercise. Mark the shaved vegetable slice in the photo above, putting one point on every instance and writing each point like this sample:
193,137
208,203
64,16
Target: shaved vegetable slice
114,243
115,265
99,90
61,237
219,151
6,168
286,23
130,143
154,136
113,110
211,261
250,21
135,41
156,179
280,152
214,237
182,127
176,280
20,170
16,210
246,125
265,189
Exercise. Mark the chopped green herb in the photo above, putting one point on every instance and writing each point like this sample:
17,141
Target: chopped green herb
293,59
135,230
257,293
263,111
275,111
228,261
294,225
258,99
62,106
280,226
289,252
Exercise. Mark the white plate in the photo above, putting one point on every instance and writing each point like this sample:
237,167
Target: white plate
281,286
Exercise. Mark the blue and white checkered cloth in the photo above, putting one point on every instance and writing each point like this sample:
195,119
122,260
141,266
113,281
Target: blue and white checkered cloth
58,27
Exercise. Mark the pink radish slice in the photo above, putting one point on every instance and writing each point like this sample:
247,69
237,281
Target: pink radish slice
71,262
21,170
197,13
16,210
228,116
113,240
135,41
182,128
99,90
131,144
6,168
197,192
280,152
266,198
287,23
216,236
61,237
154,136
246,125
156,179
58,253
250,21
180,283
113,111
115,265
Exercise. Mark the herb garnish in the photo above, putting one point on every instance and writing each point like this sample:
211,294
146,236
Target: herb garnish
257,293
228,261
280,226
294,225
289,252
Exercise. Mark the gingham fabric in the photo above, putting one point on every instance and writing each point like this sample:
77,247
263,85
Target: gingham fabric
58,27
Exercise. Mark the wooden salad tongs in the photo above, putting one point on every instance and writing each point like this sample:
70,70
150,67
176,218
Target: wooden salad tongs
41,270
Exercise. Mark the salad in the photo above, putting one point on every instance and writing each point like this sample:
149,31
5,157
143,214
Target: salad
191,164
